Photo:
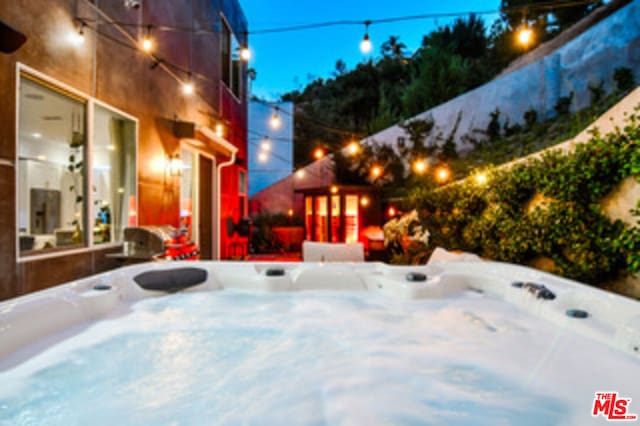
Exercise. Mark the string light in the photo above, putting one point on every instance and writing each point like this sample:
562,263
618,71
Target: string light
275,121
353,148
365,45
525,35
391,212
245,53
188,87
420,166
266,144
77,38
376,171
364,201
318,153
290,212
442,174
300,174
147,43
334,189
263,157
481,178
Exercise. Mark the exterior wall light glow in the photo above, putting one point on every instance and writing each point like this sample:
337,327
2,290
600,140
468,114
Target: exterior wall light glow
187,87
220,130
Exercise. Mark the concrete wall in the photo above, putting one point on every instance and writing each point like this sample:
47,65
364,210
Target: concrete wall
590,57
125,79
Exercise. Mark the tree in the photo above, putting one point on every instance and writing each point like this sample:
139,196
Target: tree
393,48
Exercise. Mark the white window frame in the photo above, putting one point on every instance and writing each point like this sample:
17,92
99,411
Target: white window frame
91,103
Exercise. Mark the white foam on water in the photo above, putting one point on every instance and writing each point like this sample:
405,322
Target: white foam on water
237,357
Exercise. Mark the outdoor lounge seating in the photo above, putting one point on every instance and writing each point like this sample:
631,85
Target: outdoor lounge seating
332,252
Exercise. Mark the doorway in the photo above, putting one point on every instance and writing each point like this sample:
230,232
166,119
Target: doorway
206,216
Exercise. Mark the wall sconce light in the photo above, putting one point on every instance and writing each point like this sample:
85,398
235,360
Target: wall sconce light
174,165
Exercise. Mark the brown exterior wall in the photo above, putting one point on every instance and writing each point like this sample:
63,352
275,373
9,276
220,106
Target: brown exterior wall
123,78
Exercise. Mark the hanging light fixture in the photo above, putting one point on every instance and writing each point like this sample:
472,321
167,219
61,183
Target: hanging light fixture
275,121
365,45
147,42
376,171
442,174
266,144
263,157
318,153
187,86
300,174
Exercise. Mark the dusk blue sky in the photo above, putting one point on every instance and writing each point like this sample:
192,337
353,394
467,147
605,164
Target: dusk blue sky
286,61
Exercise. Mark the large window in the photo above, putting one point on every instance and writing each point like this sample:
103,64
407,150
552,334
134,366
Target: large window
232,64
58,199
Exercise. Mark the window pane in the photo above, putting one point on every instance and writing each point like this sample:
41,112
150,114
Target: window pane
51,172
225,53
236,67
114,175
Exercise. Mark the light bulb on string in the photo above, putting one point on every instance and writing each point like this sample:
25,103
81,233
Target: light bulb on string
245,53
147,42
275,122
187,86
77,38
318,154
365,45
353,148
266,144
525,35
263,157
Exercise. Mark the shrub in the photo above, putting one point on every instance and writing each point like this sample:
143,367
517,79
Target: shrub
624,79
563,104
530,117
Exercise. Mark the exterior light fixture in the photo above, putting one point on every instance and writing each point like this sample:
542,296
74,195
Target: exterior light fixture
300,174
266,144
376,171
391,211
334,189
420,166
275,121
174,165
220,130
188,87
442,174
365,44
263,157
290,212
364,201
37,135
147,43
353,148
318,153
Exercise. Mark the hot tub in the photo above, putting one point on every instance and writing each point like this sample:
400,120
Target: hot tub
363,344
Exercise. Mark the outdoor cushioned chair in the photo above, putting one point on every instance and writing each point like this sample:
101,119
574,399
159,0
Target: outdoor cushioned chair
332,252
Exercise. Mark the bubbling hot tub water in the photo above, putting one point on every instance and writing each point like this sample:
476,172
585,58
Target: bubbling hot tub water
354,356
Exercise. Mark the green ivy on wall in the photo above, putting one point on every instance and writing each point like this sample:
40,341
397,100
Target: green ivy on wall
547,207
